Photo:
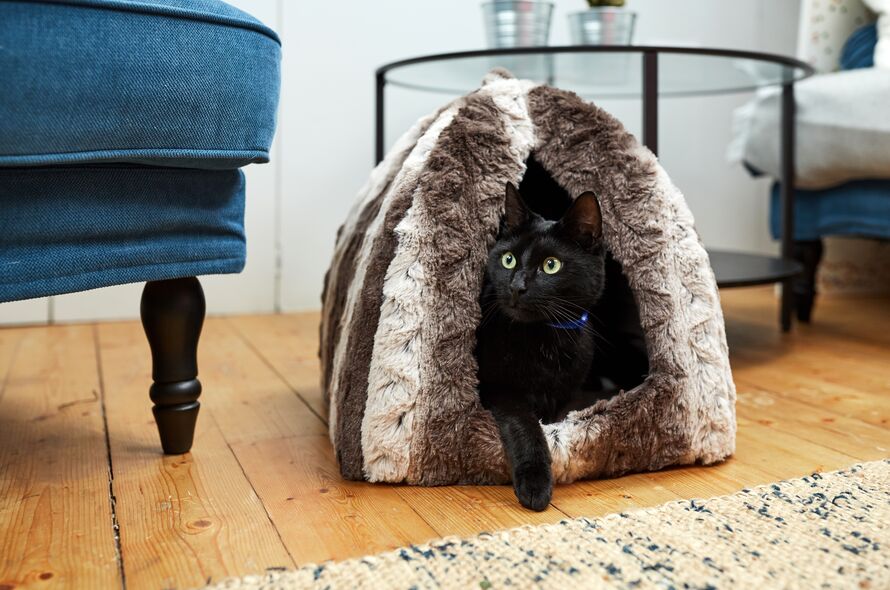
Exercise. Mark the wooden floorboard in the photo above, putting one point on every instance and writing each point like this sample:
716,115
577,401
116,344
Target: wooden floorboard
262,490
467,510
290,348
284,450
186,519
55,508
319,515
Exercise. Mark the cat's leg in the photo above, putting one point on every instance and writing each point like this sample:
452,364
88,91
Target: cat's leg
527,453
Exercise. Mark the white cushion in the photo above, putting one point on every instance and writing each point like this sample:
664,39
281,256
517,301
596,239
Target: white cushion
843,129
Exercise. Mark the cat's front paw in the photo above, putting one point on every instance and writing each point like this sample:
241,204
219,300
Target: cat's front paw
533,486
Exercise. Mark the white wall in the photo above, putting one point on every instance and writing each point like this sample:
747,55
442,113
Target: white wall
324,147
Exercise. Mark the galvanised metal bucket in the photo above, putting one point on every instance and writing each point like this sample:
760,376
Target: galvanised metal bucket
602,26
517,23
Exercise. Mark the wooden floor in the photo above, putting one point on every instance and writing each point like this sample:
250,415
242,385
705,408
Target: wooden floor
86,500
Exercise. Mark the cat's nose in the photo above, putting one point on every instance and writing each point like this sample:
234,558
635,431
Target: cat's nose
517,287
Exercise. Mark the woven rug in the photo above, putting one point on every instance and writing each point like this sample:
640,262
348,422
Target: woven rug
825,530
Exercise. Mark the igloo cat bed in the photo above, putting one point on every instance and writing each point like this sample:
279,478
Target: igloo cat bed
401,301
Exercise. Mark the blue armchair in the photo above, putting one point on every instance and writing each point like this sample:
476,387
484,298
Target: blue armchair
123,126
843,141
857,207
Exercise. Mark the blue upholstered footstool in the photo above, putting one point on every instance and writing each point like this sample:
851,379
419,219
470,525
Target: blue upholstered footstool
123,125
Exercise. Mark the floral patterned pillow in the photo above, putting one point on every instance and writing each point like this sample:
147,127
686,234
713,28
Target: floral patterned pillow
825,26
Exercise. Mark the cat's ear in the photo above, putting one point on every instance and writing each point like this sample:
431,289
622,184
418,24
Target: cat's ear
583,222
515,211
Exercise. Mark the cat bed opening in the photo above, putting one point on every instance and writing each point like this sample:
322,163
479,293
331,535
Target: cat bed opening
401,299
620,361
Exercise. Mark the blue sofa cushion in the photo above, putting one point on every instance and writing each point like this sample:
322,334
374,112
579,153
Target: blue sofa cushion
859,50
71,228
859,208
186,83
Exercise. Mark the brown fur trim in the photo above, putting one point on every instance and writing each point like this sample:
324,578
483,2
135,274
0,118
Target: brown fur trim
339,278
354,380
462,191
334,296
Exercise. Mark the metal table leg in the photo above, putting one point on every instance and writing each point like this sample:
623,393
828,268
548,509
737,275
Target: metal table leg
378,123
787,183
650,101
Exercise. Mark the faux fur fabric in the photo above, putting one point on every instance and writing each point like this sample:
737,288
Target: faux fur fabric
401,299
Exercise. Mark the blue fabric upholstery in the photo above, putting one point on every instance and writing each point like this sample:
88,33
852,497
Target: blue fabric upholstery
122,128
860,208
169,82
70,229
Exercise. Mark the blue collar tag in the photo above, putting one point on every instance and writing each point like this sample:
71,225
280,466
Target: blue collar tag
574,324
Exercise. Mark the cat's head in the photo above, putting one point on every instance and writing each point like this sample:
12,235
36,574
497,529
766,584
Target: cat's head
547,271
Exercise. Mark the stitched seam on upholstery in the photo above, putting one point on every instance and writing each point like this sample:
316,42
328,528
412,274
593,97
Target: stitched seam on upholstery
143,151
167,11
133,267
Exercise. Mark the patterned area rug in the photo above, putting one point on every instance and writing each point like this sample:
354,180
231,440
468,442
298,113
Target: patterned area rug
825,530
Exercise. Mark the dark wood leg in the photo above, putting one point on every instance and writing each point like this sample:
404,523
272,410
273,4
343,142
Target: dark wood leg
172,316
809,254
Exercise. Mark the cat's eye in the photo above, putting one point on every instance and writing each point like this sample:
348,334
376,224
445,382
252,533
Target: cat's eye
552,265
508,260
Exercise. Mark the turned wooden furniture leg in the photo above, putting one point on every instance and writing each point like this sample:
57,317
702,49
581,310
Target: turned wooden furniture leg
172,316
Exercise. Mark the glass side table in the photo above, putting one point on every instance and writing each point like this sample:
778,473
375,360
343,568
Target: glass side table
603,72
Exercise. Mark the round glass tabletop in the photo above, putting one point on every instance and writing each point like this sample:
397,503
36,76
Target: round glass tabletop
600,71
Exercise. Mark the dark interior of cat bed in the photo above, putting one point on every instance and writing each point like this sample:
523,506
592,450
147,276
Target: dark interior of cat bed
401,300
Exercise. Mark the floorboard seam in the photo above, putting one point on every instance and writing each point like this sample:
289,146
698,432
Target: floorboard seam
284,380
12,359
115,525
272,367
293,562
825,445
790,397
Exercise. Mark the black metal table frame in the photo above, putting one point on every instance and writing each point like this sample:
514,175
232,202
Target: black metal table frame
650,96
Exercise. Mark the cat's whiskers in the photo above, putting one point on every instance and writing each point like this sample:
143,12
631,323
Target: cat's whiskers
558,305
488,312
557,316
566,315
592,317
554,319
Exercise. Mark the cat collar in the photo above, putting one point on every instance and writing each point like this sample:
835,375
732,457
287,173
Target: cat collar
572,325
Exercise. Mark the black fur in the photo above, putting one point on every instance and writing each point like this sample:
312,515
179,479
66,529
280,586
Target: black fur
530,371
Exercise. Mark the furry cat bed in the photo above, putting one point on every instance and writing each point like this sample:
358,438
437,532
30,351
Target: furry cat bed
401,300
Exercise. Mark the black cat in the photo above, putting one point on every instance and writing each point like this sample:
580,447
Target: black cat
543,307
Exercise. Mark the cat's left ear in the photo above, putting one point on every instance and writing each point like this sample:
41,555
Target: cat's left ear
583,222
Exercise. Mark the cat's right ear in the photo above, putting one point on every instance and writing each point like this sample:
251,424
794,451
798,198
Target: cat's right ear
583,222
515,211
